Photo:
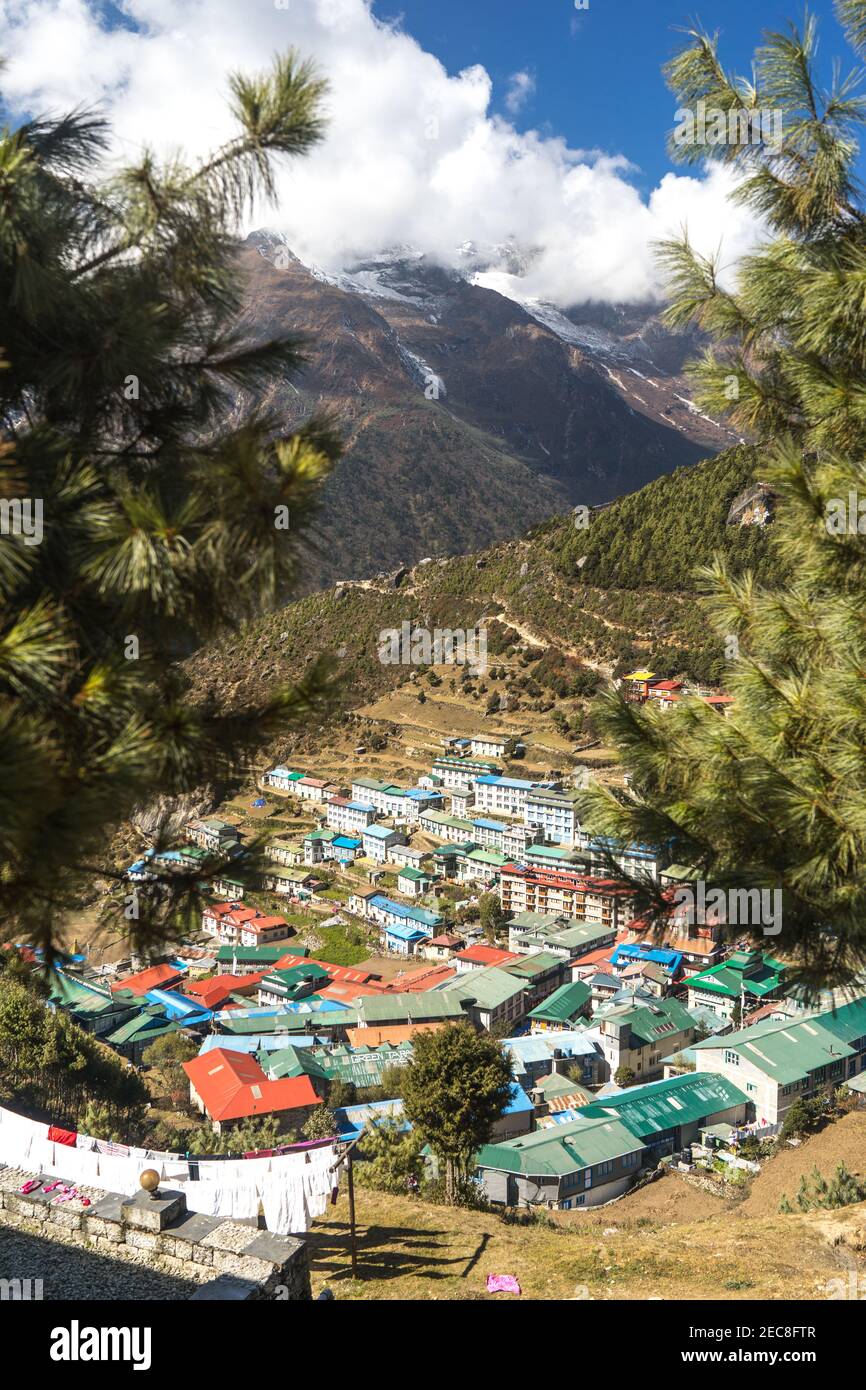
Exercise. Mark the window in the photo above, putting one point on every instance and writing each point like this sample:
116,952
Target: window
605,1168
732,1058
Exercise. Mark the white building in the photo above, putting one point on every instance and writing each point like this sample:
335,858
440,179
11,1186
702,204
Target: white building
504,794
343,814
457,772
378,839
401,803
490,745
312,789
480,866
509,839
553,814
462,801
638,860
777,1062
282,779
444,827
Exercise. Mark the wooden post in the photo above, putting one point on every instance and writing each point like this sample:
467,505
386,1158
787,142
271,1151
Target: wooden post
353,1240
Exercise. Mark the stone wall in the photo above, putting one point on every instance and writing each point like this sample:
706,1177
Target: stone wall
231,1260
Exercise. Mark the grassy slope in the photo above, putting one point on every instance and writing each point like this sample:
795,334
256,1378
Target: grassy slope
669,1240
409,1249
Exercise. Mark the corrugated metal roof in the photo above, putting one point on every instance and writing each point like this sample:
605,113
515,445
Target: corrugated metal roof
662,1105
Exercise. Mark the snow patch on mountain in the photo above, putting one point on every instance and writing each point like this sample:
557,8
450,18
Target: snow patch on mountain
433,384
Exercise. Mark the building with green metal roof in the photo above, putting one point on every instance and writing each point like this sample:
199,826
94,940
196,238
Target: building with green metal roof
427,1006
640,1036
247,960
562,1008
98,1010
780,1061
137,1033
292,982
480,865
489,996
322,1022
542,973
562,936
582,1163
596,1155
294,1061
362,1067
668,1114
745,978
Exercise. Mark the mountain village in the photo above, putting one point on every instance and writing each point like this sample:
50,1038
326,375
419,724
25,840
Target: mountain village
474,896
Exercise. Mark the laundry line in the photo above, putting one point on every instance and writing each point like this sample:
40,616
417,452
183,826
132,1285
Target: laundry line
290,1187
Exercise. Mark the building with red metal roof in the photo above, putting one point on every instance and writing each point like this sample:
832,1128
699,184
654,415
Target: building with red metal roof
230,1087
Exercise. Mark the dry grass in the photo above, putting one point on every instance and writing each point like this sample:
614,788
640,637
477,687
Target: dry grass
408,1249
844,1141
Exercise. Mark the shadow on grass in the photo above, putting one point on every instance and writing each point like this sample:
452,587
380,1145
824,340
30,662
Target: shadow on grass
388,1252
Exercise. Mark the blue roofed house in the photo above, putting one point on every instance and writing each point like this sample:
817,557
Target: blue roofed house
626,956
378,839
353,1120
343,814
517,1118
404,929
538,1054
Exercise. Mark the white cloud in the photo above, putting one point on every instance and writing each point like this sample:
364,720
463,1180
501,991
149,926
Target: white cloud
413,154
521,86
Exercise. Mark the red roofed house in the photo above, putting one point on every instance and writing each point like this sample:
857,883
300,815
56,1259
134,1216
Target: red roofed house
259,930
230,1087
155,977
480,956
214,992
417,981
721,703
565,892
235,925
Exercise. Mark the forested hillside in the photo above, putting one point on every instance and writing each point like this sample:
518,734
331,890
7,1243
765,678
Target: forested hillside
620,591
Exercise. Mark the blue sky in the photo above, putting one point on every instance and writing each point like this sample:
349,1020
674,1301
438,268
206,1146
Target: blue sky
598,71
416,153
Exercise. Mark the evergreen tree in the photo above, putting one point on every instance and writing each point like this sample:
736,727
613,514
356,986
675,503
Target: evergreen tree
147,500
454,1090
321,1123
392,1158
774,796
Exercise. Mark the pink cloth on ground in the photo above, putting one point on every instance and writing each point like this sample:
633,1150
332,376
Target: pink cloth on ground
502,1283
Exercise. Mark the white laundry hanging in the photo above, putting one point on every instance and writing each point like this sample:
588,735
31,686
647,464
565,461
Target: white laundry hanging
297,1189
24,1143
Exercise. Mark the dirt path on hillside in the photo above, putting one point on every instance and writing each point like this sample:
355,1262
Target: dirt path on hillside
537,641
